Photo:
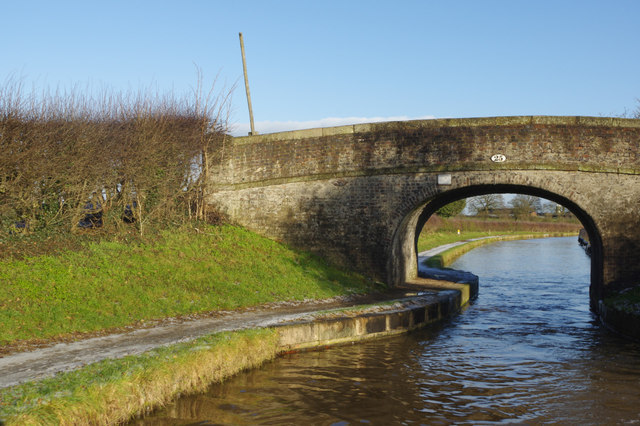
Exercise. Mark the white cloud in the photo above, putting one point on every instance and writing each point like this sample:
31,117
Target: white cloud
263,127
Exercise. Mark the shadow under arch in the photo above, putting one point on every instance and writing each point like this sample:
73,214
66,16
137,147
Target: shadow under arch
413,223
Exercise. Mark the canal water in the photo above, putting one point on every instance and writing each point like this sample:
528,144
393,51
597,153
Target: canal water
528,350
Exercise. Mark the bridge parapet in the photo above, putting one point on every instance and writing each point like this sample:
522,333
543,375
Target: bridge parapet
528,143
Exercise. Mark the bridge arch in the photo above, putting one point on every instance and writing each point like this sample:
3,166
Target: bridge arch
403,258
356,194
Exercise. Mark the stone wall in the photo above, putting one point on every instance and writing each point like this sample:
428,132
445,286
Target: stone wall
548,143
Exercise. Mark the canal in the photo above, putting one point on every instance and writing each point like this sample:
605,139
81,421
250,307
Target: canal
528,350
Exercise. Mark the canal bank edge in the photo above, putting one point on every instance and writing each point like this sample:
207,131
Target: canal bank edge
434,302
197,364
620,319
621,316
446,257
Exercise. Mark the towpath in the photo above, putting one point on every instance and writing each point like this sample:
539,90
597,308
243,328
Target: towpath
44,362
441,249
444,274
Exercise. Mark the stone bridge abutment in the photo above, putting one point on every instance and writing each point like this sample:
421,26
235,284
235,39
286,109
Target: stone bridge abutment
359,194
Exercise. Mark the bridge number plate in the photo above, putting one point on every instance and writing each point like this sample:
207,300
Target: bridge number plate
444,179
498,158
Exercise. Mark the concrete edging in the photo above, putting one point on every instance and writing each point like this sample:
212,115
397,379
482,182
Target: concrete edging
403,316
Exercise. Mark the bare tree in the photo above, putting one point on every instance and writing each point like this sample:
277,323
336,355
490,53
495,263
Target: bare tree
485,204
523,205
633,114
550,208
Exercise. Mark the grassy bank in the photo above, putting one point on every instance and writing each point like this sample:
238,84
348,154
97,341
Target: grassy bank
447,257
185,271
105,284
438,231
112,391
437,239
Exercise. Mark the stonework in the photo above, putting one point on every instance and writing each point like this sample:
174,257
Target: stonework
357,194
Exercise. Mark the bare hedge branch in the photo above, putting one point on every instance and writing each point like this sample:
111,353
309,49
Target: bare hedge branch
141,157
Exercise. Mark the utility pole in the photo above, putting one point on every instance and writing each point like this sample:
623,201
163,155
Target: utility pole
246,85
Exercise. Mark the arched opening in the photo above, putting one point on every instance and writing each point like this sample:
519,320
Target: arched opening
404,259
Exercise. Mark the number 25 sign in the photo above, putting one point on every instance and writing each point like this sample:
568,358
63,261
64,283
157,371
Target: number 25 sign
498,158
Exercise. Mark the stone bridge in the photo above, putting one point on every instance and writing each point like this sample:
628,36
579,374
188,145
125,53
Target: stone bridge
358,195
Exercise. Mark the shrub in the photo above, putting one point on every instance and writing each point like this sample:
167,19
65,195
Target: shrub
143,155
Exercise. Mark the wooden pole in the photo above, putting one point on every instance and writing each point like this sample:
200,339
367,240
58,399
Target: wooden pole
246,85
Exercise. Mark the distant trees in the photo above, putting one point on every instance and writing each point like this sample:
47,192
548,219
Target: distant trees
550,208
633,114
452,209
554,209
519,206
522,205
485,204
636,113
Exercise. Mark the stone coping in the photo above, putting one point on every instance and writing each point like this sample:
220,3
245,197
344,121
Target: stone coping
435,303
444,122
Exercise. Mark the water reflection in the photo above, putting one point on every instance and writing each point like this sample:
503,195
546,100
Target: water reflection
528,350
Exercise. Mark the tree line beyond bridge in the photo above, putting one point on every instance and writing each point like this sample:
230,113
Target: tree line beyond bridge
359,194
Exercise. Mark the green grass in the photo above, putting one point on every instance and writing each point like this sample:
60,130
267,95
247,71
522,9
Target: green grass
113,284
429,240
111,391
440,231
447,257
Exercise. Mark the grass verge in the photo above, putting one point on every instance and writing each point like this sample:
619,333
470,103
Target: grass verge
184,271
431,240
439,231
113,391
447,257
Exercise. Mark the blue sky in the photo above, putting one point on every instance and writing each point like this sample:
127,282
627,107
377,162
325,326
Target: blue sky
335,62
